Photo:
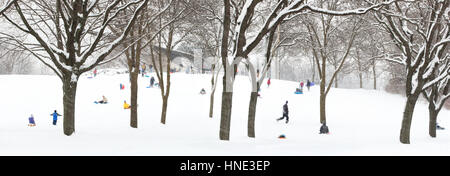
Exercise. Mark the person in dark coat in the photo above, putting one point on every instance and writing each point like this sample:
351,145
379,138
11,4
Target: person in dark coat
152,81
285,113
308,84
203,91
55,117
31,121
324,129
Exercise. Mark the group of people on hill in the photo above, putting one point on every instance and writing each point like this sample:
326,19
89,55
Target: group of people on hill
144,69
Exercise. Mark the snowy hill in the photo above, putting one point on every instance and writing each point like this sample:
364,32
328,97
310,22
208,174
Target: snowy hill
361,122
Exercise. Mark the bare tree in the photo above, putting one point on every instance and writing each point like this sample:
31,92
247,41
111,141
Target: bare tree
70,38
244,13
175,13
420,31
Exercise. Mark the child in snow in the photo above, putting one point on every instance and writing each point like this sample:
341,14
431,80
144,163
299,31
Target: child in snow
126,105
268,82
324,129
31,121
203,91
95,72
301,86
103,101
143,70
55,117
285,113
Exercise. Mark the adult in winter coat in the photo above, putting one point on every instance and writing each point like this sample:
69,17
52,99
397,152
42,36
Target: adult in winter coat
308,84
55,117
31,121
324,129
152,81
285,113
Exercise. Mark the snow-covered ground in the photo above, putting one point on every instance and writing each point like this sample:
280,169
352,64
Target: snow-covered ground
361,122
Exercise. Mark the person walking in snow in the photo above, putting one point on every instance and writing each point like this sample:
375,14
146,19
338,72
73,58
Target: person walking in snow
285,113
152,81
308,84
31,121
55,117
324,129
268,82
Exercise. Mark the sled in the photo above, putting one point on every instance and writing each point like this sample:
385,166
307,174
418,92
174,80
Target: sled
282,136
298,92
147,76
96,102
90,77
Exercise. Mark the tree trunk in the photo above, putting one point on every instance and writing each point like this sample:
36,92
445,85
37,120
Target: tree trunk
407,118
227,99
164,110
134,92
360,80
211,104
374,76
433,119
252,114
70,89
323,118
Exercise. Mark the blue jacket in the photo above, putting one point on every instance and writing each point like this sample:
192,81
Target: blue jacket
31,120
55,115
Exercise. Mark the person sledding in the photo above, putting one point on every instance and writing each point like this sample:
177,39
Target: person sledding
324,129
203,91
126,105
285,113
55,117
31,121
298,91
103,101
439,127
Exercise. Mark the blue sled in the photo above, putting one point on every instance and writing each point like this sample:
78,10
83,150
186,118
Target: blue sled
96,102
298,92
